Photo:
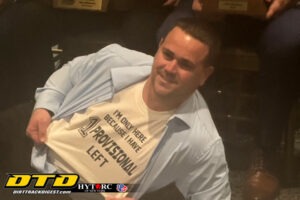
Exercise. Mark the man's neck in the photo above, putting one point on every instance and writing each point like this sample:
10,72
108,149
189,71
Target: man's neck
158,103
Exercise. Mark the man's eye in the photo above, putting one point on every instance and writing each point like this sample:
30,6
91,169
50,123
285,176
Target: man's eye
168,55
185,65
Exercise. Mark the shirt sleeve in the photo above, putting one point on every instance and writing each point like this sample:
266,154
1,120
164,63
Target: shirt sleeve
77,71
209,177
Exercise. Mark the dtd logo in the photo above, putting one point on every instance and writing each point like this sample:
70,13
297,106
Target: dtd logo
59,180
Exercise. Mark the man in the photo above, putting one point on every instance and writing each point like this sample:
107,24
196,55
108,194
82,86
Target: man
279,54
116,120
279,89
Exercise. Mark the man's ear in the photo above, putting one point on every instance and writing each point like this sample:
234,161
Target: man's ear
207,72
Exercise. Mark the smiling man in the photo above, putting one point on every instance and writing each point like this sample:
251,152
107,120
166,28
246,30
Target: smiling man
179,69
167,133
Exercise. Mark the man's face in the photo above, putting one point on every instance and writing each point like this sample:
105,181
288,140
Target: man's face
178,68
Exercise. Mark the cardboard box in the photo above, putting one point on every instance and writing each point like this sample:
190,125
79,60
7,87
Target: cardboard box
254,8
94,5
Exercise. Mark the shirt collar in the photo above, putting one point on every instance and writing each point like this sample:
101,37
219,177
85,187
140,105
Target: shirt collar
186,112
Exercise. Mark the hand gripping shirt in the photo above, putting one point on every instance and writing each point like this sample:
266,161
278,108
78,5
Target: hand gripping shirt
190,153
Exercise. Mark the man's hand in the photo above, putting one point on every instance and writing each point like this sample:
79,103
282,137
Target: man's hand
171,2
197,5
275,7
38,124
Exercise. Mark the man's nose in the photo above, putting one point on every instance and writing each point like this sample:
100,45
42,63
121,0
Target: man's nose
171,67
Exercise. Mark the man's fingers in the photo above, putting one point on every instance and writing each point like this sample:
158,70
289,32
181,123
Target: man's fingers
38,125
171,2
275,7
197,5
35,135
43,132
272,9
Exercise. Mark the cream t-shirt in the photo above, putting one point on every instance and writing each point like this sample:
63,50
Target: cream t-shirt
111,142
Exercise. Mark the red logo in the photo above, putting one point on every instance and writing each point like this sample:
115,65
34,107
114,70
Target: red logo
98,186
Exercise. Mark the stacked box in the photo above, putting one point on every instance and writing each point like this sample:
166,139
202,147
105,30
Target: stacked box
254,8
94,5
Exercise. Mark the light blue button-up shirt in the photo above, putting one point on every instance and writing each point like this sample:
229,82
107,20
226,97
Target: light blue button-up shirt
191,153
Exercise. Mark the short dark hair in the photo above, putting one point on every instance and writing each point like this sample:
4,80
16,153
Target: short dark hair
203,31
